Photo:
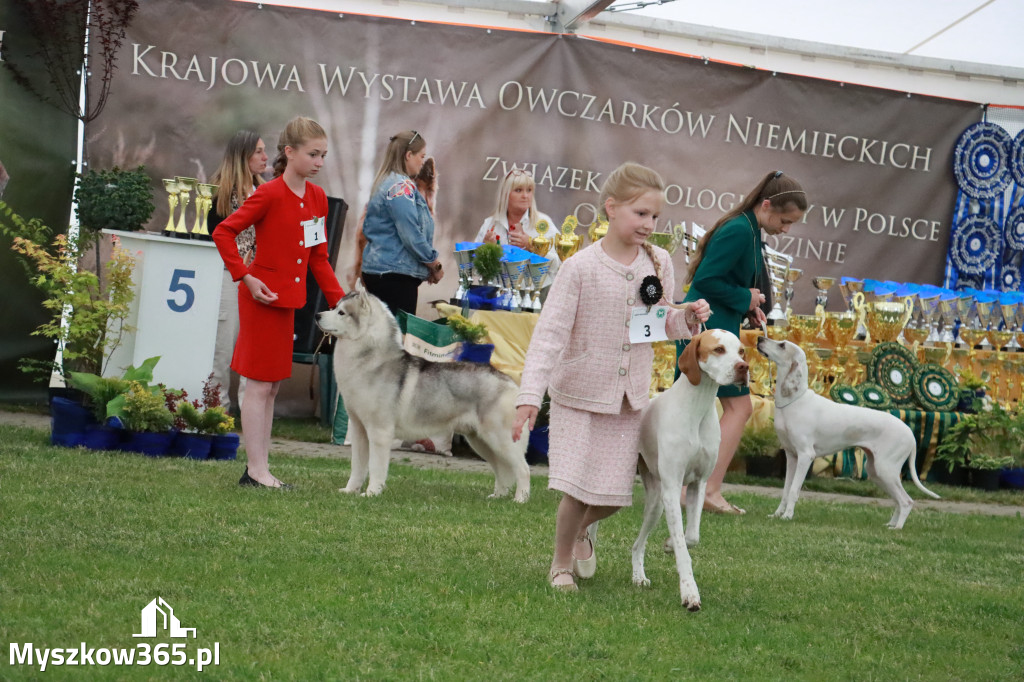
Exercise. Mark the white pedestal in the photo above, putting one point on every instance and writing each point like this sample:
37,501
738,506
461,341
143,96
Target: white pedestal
175,310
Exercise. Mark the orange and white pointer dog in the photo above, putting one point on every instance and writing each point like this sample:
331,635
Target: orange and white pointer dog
679,438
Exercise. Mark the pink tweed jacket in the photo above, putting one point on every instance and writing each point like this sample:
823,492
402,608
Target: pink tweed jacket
580,350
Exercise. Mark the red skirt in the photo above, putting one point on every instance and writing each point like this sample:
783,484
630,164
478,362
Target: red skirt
266,337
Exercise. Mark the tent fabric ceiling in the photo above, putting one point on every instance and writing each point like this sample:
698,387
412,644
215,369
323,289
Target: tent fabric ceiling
978,31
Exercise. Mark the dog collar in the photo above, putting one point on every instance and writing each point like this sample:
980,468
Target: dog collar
789,402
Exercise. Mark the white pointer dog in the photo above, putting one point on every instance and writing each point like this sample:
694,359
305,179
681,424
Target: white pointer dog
389,393
679,438
810,425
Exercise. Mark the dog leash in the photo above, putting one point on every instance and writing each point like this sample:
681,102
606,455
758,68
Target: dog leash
313,367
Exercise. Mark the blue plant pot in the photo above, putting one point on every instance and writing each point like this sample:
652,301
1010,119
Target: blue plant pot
537,450
476,352
1012,478
102,437
68,422
148,443
224,446
192,445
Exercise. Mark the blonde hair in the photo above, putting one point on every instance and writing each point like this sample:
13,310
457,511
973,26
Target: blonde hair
779,189
394,155
233,178
297,132
515,179
627,183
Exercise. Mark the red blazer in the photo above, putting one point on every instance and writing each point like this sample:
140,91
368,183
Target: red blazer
282,259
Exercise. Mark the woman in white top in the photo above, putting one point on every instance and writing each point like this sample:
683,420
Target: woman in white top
516,216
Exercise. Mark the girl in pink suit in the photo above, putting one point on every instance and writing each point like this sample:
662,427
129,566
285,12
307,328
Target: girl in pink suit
289,217
599,381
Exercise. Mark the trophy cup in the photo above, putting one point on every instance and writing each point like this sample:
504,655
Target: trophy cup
929,307
537,272
509,296
1018,316
947,318
520,283
778,271
541,244
185,186
692,240
1008,310
791,277
464,261
884,320
568,242
598,229
985,308
171,186
204,202
822,284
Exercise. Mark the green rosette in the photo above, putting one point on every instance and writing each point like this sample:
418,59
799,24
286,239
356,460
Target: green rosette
846,394
874,396
892,367
935,388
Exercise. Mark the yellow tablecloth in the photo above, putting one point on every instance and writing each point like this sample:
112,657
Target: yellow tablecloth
509,332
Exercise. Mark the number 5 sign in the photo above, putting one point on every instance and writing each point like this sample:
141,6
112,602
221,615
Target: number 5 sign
177,299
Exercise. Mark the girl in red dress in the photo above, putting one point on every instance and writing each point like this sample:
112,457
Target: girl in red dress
289,218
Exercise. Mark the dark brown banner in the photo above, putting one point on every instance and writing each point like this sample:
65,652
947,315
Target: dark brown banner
876,164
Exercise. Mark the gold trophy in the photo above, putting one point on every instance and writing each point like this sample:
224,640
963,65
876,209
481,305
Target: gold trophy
171,186
669,241
568,242
803,330
884,320
204,202
792,275
822,284
185,186
598,229
541,244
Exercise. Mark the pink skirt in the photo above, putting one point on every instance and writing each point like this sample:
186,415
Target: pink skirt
593,457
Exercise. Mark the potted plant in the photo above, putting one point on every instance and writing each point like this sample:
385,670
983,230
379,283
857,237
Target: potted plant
972,390
981,443
203,420
112,199
86,318
472,335
147,419
758,447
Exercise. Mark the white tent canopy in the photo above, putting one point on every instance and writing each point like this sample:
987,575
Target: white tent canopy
960,49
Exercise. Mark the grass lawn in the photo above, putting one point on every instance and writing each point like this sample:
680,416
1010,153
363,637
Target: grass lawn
433,581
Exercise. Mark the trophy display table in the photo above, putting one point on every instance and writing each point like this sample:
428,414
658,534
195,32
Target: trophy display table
509,332
177,285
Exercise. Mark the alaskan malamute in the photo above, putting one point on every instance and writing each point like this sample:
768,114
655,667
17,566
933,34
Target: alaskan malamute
391,394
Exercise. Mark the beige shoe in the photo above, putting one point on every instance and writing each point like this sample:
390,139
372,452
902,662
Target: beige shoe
586,568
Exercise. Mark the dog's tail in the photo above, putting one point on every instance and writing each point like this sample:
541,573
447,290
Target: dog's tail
912,460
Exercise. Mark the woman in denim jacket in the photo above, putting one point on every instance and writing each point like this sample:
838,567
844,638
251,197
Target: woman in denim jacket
399,229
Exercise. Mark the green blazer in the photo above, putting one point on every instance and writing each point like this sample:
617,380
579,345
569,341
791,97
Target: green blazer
732,260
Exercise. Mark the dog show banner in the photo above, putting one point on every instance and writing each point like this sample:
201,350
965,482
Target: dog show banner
876,164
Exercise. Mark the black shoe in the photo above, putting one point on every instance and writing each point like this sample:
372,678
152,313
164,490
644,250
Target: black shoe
247,480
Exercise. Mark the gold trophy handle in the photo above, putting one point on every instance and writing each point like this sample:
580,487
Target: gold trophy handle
862,313
909,312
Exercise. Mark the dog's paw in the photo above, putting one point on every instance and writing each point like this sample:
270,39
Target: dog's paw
349,491
521,497
373,491
692,604
690,595
641,581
